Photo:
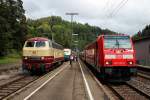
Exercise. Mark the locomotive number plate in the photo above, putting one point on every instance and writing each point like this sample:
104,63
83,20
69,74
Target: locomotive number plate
120,63
34,52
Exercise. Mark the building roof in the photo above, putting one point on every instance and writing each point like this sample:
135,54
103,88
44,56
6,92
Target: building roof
38,39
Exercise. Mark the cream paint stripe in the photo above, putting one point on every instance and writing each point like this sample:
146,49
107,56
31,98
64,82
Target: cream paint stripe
26,98
86,83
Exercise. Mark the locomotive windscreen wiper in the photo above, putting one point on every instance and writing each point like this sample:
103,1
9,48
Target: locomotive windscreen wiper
117,43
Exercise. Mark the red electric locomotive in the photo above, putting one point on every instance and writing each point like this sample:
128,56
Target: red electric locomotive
113,57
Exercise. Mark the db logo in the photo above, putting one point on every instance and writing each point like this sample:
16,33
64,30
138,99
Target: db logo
34,52
119,56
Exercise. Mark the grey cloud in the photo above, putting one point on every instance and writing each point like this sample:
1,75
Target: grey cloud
132,17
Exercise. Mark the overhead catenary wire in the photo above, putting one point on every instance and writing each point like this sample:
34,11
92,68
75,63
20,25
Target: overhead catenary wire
112,9
117,8
106,5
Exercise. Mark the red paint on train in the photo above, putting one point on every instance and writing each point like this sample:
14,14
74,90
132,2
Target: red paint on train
113,56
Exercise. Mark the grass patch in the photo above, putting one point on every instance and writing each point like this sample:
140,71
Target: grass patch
11,58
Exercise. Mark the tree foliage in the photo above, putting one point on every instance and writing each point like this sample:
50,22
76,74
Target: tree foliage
61,31
142,34
12,26
15,29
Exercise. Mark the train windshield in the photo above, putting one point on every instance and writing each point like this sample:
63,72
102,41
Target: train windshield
30,44
117,42
40,44
35,43
67,52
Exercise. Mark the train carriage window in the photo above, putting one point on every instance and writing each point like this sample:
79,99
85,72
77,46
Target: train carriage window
30,44
54,45
57,46
40,44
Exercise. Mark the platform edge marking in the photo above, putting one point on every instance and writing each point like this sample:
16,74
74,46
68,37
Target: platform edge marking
86,83
26,98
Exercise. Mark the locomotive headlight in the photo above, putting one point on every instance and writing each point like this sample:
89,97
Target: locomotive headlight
42,58
108,56
130,62
129,56
25,58
108,62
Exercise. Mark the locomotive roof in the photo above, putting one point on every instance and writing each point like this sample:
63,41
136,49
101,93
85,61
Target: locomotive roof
105,35
115,35
38,39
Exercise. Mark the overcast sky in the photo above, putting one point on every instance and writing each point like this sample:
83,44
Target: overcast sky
124,16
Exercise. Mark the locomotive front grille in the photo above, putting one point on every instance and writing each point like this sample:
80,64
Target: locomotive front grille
34,58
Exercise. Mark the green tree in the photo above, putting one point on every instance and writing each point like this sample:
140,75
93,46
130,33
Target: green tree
12,25
61,31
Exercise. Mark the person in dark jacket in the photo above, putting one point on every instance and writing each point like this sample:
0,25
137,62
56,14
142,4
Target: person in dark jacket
71,59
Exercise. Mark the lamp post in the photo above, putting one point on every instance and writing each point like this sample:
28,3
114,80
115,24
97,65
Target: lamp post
52,23
72,15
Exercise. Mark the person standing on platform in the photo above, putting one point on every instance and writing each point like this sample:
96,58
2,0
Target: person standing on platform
71,59
76,58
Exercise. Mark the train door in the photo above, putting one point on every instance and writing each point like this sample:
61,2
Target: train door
95,54
97,57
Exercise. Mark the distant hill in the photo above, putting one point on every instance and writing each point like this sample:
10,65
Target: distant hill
61,31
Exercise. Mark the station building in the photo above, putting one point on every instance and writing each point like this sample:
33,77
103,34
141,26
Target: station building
142,47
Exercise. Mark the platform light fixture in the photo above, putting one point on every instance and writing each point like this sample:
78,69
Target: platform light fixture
76,41
75,34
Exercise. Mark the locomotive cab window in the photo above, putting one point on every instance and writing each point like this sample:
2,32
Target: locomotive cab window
30,44
117,42
40,44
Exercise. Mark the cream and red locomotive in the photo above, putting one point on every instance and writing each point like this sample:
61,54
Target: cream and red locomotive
40,54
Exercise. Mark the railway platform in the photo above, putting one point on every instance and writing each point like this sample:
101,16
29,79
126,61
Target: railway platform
63,83
72,83
144,67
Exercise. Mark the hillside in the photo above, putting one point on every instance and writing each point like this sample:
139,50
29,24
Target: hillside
61,31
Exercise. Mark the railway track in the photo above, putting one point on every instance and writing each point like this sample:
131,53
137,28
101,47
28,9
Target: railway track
13,86
7,67
17,86
127,92
136,89
141,84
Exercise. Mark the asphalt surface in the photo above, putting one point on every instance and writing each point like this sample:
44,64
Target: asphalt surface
95,89
67,85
